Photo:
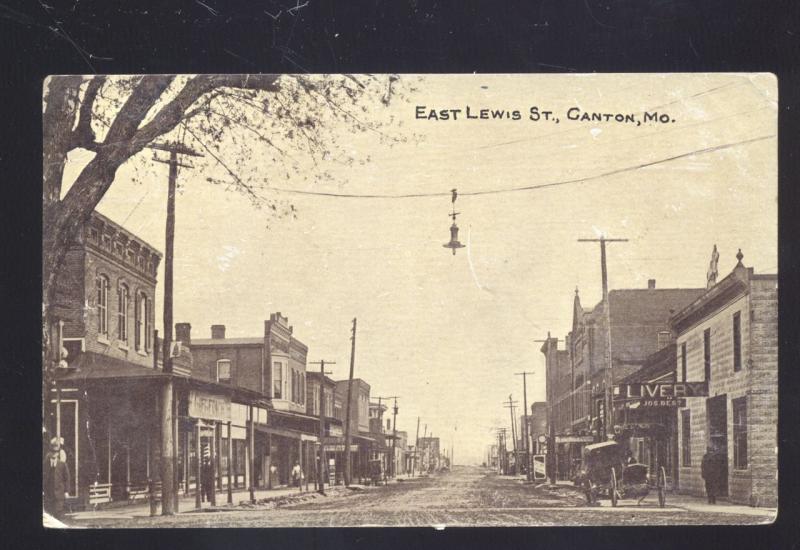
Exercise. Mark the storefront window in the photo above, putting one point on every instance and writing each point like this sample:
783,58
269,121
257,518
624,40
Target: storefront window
740,433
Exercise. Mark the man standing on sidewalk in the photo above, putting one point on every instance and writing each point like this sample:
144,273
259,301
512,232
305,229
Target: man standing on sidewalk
711,471
56,480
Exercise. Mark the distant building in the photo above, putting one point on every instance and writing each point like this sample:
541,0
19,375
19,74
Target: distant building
538,425
429,454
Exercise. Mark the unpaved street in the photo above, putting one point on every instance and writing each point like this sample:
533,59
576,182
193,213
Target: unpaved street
468,496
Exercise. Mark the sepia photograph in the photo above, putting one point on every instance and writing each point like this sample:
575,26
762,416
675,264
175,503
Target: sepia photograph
409,300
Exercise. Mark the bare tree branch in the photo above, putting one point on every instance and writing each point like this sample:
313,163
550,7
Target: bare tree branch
83,135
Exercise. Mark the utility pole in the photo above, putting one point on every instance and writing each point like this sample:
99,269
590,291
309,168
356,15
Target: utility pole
526,431
424,438
394,439
511,405
608,421
347,458
321,465
168,443
453,444
416,450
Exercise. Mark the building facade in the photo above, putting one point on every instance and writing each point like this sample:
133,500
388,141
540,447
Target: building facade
728,338
107,401
577,376
360,439
273,366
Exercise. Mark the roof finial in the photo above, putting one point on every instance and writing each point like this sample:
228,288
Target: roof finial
576,290
739,257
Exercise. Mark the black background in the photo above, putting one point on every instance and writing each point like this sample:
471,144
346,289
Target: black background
38,38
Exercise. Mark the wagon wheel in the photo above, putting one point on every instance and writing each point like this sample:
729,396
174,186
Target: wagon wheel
613,489
662,487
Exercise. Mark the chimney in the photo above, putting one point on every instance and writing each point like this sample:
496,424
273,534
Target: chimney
651,283
218,332
183,333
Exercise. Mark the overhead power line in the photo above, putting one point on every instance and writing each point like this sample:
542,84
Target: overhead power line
526,187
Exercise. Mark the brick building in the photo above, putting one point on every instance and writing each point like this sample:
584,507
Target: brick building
333,421
274,366
576,375
107,398
360,439
728,337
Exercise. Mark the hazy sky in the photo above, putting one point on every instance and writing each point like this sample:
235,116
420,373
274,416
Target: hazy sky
443,332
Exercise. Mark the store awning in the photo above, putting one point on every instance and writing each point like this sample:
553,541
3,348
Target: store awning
284,432
94,366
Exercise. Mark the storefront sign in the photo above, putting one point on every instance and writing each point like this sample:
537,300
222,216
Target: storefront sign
650,403
340,448
208,406
574,439
661,390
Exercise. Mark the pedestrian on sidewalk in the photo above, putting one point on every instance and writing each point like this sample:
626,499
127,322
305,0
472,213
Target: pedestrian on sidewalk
711,469
297,475
56,479
207,479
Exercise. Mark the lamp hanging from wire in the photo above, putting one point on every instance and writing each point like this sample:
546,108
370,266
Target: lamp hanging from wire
454,243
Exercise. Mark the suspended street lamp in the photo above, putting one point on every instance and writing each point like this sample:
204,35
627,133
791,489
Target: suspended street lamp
453,244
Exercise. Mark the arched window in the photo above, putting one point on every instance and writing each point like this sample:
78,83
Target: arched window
102,285
224,370
123,303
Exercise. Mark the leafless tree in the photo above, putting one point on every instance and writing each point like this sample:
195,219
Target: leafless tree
224,116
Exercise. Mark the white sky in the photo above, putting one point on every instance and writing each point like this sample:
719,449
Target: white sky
447,333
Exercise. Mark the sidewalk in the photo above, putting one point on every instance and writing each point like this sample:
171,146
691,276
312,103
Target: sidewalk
186,503
692,503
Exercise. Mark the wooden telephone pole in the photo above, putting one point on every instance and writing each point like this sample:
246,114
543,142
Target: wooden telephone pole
511,405
416,450
394,439
321,465
169,499
347,465
526,430
608,421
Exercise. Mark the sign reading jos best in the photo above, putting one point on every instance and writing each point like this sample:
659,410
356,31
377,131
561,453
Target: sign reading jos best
661,390
208,406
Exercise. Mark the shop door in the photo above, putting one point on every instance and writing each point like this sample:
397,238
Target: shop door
717,414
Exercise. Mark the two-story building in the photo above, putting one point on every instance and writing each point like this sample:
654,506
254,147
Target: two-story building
333,422
360,440
274,366
108,396
639,327
728,338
